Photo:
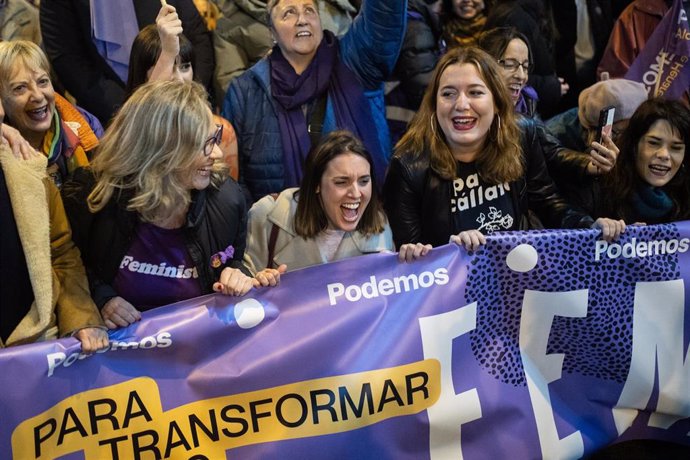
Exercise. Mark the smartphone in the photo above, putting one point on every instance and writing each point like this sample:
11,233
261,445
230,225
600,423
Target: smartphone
605,125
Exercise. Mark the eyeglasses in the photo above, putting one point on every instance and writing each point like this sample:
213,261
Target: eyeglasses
512,65
213,140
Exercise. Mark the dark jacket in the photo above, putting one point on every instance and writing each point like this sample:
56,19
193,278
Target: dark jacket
568,130
420,51
251,109
592,195
66,31
563,162
527,16
417,200
600,23
217,218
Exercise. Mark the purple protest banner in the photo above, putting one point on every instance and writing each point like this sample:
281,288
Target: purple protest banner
662,65
546,344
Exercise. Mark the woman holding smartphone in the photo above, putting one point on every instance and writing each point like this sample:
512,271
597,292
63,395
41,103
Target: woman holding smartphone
650,181
513,54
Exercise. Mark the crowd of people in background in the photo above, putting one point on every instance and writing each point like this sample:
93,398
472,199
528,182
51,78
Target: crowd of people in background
247,138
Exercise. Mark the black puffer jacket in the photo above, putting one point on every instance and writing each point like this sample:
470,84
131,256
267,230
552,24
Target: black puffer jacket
420,51
217,218
417,200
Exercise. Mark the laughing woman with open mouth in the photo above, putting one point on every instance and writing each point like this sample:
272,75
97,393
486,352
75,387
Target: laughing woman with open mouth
62,132
465,169
651,181
334,214
155,216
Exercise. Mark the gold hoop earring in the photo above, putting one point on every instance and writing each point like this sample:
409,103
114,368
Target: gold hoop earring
499,134
432,123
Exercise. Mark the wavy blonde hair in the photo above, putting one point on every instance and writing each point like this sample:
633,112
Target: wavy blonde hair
500,159
151,145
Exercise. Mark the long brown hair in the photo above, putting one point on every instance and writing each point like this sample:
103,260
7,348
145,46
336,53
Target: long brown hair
500,159
146,50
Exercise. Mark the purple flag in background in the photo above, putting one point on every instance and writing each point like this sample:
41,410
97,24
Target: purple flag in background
662,65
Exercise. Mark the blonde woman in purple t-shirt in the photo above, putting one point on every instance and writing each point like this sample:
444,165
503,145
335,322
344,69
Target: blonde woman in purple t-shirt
156,218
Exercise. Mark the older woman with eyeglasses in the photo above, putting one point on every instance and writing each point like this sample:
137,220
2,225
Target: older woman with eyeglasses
566,164
156,219
310,84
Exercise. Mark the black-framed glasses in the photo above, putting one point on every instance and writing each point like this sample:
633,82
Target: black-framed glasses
215,139
512,65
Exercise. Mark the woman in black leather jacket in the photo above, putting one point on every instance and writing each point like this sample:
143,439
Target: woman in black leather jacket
465,167
513,54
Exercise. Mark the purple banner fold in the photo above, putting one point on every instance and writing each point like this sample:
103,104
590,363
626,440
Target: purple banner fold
546,344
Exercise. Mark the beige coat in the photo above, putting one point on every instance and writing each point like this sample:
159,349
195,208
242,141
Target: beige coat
62,302
291,249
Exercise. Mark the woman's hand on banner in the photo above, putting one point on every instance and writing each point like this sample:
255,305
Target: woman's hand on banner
117,312
92,339
410,252
471,240
611,229
233,282
269,276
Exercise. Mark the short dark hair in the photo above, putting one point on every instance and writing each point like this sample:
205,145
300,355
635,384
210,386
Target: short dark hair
310,217
145,52
623,181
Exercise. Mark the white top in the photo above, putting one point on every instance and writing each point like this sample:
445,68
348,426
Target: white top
328,242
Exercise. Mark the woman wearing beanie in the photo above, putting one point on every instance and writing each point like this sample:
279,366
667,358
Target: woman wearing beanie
576,128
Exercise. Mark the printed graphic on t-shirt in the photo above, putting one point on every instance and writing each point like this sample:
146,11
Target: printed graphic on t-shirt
476,205
157,269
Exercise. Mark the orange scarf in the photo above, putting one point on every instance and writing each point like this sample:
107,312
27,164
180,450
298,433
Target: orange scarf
78,143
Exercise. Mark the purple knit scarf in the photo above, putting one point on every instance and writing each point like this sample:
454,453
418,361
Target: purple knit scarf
326,72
